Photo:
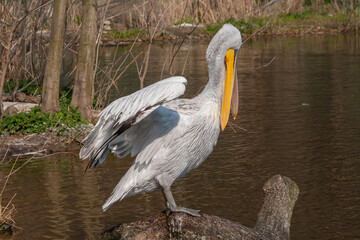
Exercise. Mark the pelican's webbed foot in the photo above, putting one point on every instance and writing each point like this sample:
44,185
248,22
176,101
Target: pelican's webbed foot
192,212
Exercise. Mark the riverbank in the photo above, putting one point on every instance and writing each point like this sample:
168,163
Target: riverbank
59,138
309,22
26,145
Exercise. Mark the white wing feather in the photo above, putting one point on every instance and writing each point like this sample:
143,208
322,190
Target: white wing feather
113,131
146,133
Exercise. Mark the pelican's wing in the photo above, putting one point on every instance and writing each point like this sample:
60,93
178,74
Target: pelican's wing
151,129
128,112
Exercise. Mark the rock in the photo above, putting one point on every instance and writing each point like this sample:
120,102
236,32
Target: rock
6,96
190,26
119,26
20,97
33,99
10,111
107,26
19,106
273,220
184,29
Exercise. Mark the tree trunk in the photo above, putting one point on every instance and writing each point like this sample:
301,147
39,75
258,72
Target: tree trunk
84,78
26,5
273,220
50,92
5,63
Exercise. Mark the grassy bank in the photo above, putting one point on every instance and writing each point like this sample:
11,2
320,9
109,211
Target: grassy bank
308,21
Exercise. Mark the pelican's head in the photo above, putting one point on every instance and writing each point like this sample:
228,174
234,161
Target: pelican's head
221,57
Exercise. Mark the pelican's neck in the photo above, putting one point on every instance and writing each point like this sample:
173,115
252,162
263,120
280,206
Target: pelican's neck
214,88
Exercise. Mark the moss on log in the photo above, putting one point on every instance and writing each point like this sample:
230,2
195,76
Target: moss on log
273,221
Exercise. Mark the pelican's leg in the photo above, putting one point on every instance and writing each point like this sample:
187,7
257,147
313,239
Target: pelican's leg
167,209
174,208
165,183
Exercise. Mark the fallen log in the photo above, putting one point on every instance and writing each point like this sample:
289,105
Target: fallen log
273,221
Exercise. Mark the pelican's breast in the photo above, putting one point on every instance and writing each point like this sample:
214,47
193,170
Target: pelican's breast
197,134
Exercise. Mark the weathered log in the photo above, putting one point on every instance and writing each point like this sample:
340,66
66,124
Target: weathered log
273,221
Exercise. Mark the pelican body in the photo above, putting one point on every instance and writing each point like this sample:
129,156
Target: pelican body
170,136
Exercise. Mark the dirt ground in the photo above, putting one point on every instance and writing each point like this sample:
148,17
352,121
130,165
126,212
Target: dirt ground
28,145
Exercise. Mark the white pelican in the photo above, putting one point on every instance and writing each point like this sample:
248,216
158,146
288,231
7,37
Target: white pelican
170,136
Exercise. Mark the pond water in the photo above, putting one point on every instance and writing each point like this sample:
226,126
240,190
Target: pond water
299,117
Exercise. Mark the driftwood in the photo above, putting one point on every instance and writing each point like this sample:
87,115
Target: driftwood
273,221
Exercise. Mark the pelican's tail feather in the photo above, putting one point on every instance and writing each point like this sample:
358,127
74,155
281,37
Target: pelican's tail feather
122,190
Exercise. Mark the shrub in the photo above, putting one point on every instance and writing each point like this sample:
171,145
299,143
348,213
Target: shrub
37,122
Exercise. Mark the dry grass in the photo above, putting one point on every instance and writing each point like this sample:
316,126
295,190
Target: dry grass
167,13
7,210
206,11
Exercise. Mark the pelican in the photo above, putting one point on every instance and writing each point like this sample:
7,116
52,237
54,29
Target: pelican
170,136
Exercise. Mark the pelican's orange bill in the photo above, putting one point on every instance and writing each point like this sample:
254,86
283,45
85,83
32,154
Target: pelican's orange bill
228,87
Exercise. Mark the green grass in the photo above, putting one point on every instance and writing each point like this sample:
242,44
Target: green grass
245,26
294,17
184,20
37,122
311,15
126,34
242,25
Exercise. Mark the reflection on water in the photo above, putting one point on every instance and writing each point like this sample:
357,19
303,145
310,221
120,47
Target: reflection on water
301,116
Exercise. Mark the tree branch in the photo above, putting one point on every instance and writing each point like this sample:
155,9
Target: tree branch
273,220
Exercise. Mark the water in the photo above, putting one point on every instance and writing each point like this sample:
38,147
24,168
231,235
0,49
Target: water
298,117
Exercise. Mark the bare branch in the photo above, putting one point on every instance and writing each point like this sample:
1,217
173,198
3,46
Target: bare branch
31,11
257,31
